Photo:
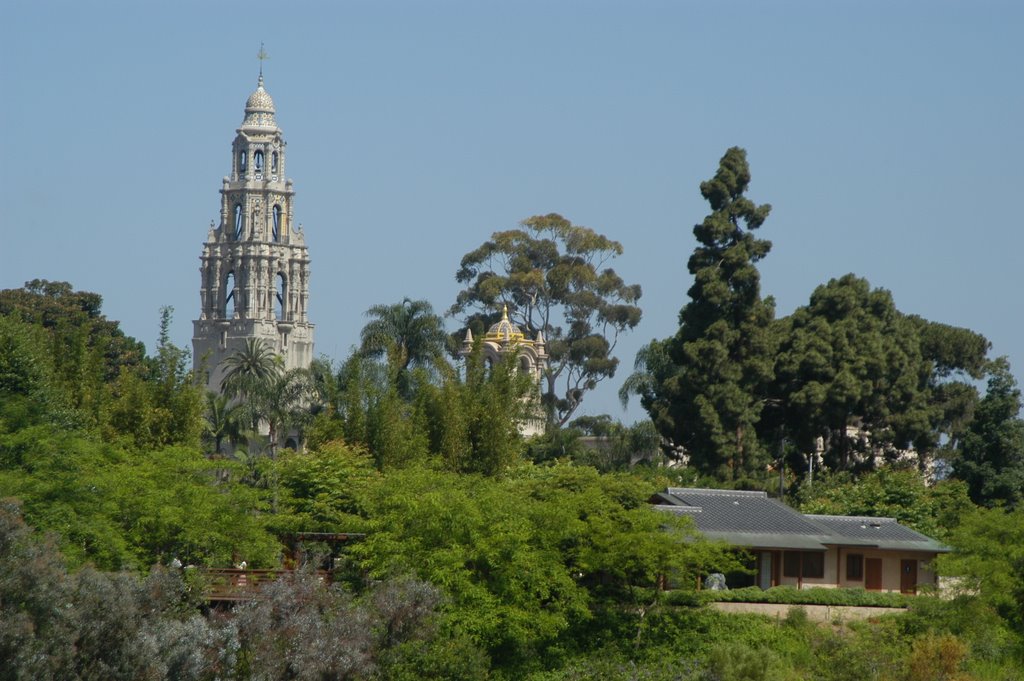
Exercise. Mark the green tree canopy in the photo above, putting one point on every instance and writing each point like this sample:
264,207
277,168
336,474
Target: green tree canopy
704,387
474,420
552,275
848,365
527,557
87,351
933,509
57,307
127,509
163,408
869,380
990,457
989,561
408,334
29,391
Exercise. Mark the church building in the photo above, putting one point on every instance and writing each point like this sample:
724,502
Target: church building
255,265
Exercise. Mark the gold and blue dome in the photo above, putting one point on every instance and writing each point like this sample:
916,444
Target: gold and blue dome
259,108
505,331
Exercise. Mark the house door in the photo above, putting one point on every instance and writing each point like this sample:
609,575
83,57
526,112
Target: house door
873,574
908,576
764,570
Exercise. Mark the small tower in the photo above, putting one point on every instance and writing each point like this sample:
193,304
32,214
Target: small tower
255,265
506,338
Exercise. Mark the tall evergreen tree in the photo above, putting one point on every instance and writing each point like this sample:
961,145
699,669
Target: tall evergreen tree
707,396
867,380
991,456
849,371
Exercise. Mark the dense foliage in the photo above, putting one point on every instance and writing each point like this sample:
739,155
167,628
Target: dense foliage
846,383
469,551
793,596
108,626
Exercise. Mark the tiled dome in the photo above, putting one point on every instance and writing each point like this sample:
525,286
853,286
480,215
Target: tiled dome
505,330
259,108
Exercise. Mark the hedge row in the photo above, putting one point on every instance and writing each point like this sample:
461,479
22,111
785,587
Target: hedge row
793,596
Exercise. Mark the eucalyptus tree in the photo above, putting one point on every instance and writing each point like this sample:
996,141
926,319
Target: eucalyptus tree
553,277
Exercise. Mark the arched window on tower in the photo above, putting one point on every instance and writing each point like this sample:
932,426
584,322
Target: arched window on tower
257,161
273,161
524,365
276,234
242,161
229,295
238,221
282,297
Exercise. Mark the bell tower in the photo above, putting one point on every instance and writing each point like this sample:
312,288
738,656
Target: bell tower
255,265
503,339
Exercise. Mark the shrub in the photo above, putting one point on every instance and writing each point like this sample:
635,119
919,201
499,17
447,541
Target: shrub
793,596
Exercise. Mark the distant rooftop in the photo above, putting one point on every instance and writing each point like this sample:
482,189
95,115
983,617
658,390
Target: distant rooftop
754,520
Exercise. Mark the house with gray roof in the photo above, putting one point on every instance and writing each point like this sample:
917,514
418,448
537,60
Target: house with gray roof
792,548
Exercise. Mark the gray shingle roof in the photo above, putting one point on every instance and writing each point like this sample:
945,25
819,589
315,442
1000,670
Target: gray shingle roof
754,520
885,533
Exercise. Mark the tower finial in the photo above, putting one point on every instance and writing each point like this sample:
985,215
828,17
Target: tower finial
262,55
504,312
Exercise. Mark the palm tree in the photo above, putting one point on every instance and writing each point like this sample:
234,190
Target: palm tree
324,387
249,369
408,334
284,404
221,421
265,394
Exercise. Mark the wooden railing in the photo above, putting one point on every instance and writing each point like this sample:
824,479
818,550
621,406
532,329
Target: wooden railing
242,584
233,584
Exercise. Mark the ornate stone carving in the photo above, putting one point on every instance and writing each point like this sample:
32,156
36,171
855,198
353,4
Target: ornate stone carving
254,260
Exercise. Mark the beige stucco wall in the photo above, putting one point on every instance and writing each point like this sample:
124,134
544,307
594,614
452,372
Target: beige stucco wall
815,613
835,569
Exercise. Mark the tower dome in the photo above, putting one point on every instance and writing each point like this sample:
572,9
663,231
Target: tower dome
505,331
506,340
259,108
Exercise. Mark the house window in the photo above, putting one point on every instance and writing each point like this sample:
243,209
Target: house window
273,162
242,159
855,567
791,564
813,564
276,234
803,564
257,161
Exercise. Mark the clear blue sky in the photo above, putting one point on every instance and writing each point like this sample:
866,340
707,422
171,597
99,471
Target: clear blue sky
886,135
